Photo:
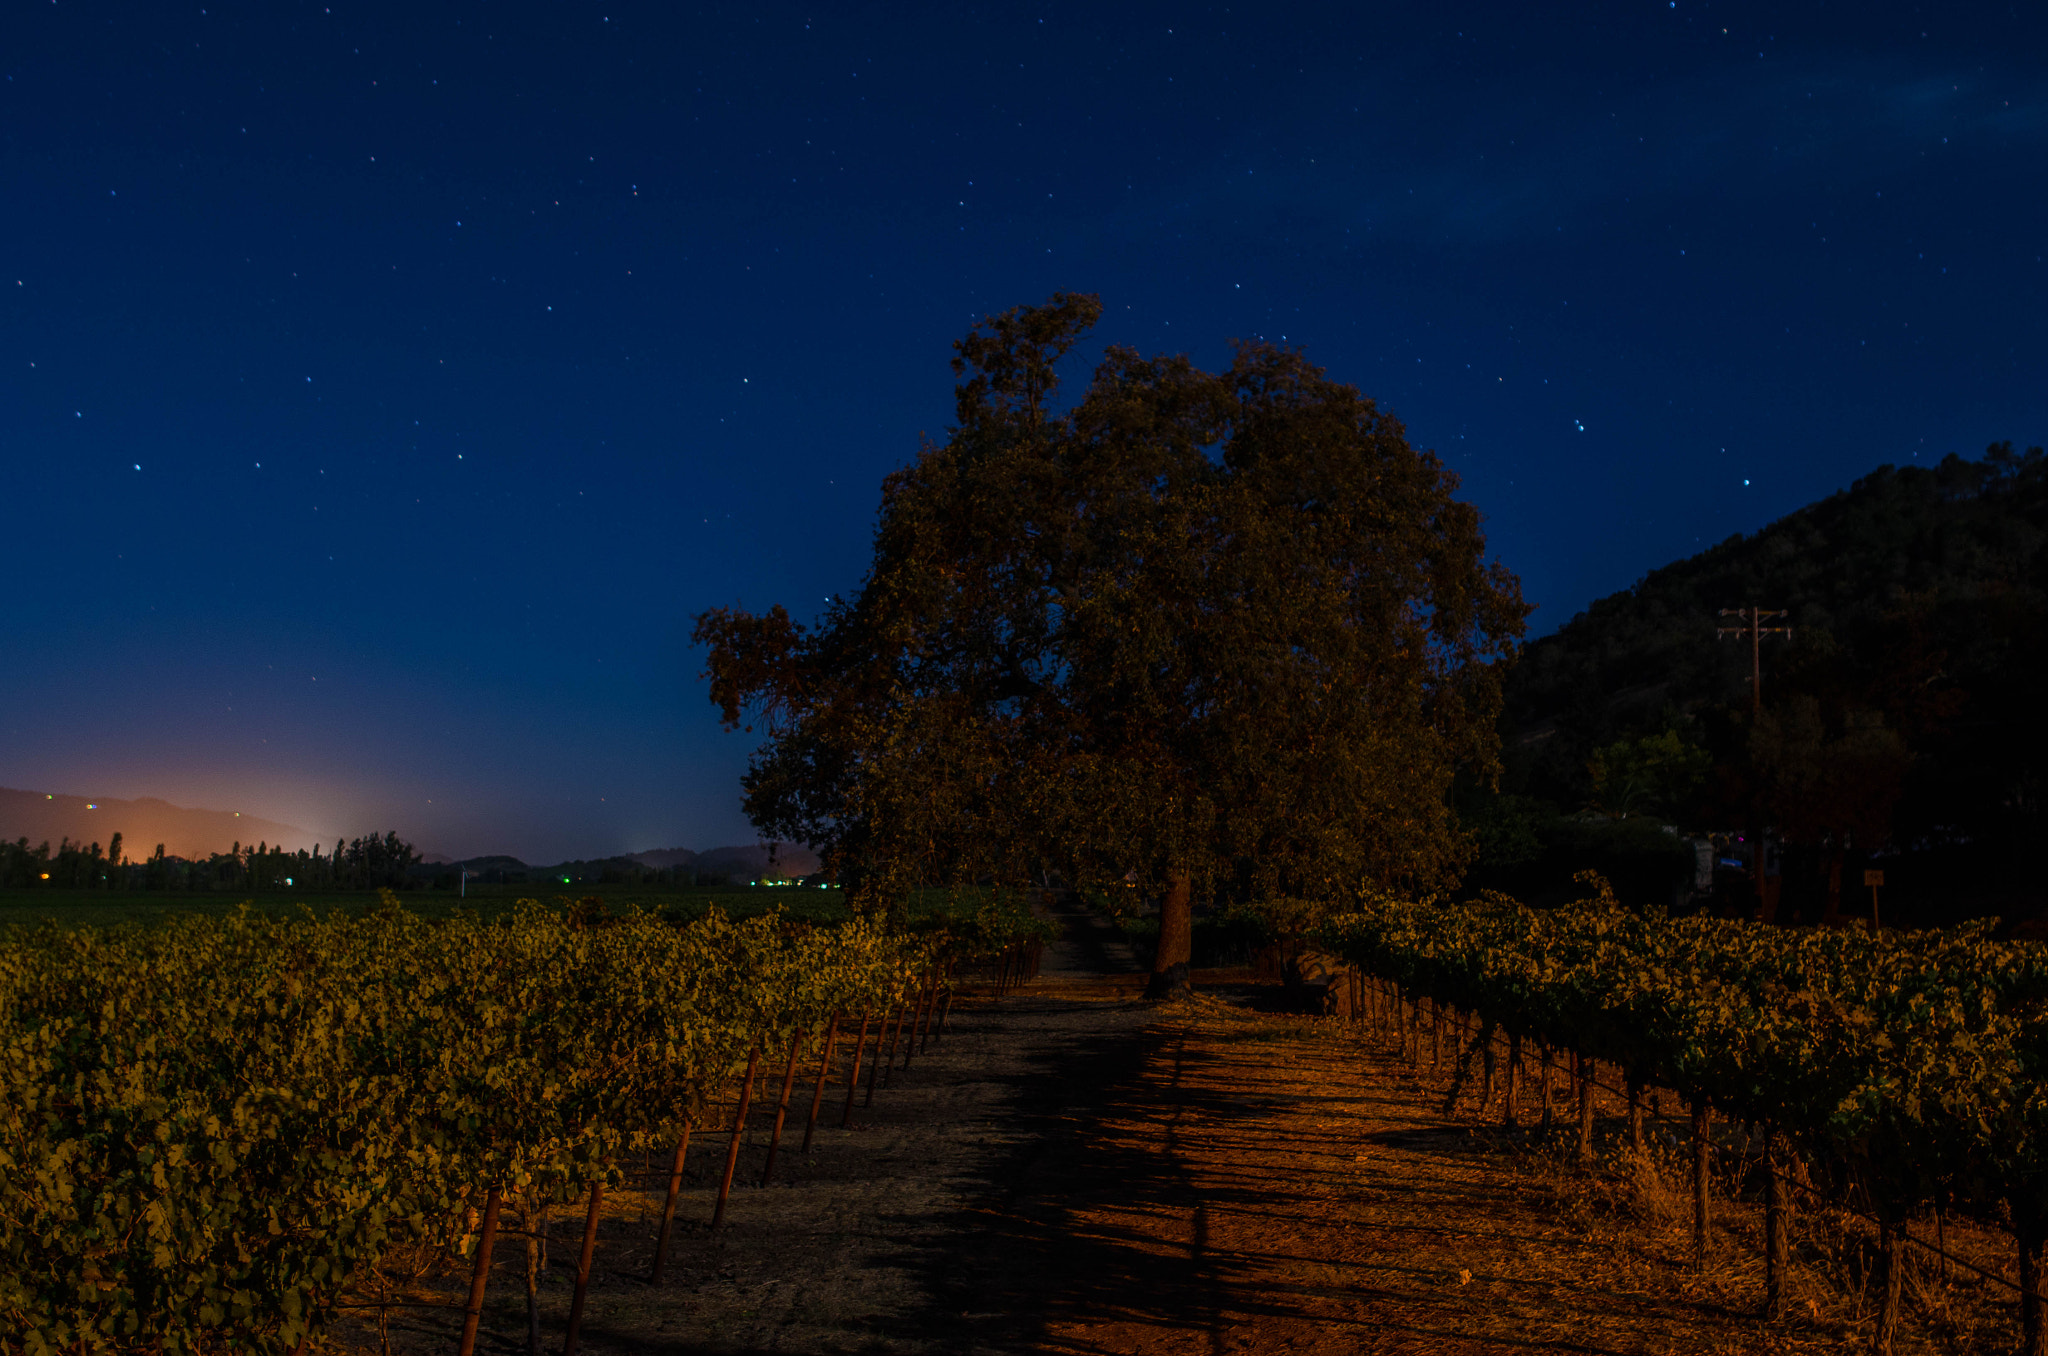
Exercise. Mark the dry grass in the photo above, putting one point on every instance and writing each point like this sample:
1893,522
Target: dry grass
1640,1205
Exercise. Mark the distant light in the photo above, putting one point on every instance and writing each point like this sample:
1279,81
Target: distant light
565,880
287,880
91,806
46,875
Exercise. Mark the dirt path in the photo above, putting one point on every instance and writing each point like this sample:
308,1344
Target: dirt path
1265,1185
1071,1171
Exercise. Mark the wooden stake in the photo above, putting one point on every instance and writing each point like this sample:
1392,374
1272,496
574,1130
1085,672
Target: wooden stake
1635,1115
875,1064
739,1125
536,1222
888,1066
921,1035
2027,1228
796,1044
818,1092
473,1312
916,1024
583,1265
1512,1118
1585,1071
853,1079
1702,1148
1777,1222
1891,1280
668,1206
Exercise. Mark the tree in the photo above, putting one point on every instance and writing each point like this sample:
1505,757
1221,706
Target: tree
1199,630
1656,773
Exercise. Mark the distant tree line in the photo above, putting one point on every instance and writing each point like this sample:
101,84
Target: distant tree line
364,863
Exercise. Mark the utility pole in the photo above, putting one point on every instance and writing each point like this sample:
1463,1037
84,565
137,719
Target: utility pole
1750,622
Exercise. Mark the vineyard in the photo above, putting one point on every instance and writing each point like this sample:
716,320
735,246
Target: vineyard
217,1133
1902,1072
266,1134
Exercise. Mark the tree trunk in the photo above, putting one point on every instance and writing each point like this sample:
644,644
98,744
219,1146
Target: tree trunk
1176,924
1176,938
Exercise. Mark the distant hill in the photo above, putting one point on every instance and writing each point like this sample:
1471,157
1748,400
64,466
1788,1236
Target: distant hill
750,862
44,816
790,860
663,858
1917,594
1903,710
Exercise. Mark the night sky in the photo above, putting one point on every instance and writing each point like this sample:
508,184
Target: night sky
383,388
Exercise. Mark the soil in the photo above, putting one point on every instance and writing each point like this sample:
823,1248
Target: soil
1072,1170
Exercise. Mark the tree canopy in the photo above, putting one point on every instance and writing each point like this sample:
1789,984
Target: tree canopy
1203,630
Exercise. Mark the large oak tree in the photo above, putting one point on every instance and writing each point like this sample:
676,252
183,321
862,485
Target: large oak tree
1193,629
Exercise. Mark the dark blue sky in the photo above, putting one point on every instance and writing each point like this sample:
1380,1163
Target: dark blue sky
383,388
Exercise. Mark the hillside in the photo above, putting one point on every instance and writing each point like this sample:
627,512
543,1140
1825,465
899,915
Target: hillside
738,863
1903,712
43,816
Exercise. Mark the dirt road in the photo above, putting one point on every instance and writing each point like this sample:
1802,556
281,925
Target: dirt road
1073,1171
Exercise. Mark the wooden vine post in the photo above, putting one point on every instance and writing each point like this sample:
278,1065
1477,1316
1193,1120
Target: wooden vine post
1585,1081
1702,1151
818,1092
916,1024
2028,1227
1635,1115
536,1230
1891,1277
668,1205
1486,1061
853,1078
796,1045
473,1312
947,1010
1777,1224
739,1125
878,1065
583,1258
1512,1117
